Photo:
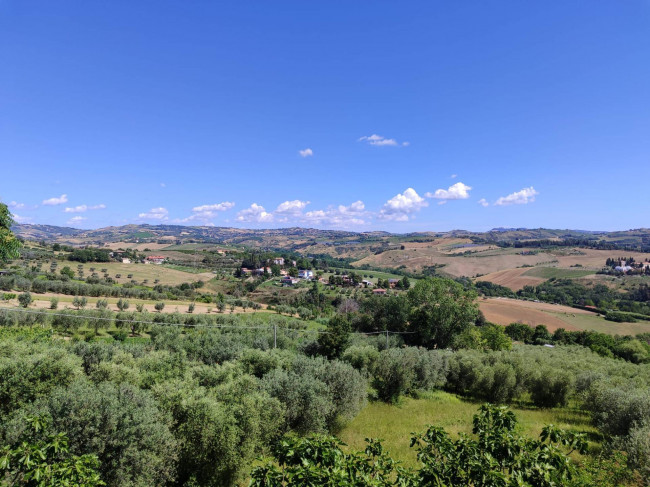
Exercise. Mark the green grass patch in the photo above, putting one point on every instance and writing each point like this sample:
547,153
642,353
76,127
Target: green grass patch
396,423
557,273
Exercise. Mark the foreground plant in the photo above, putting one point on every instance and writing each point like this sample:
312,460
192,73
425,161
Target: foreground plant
43,459
496,457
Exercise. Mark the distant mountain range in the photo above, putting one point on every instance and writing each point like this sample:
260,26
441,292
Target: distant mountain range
295,237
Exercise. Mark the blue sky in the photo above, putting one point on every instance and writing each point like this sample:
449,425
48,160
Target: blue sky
410,116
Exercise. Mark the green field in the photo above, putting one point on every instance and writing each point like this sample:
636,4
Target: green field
598,323
557,273
396,423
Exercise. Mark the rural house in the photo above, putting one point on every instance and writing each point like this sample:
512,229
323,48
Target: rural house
154,259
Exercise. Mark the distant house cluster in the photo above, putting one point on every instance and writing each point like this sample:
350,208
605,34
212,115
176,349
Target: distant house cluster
628,266
154,259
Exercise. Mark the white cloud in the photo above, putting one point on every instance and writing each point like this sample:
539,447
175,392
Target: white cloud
21,219
453,176
159,213
56,201
306,152
76,219
400,206
458,191
526,195
16,205
205,213
483,202
380,140
82,208
338,216
226,205
255,213
291,207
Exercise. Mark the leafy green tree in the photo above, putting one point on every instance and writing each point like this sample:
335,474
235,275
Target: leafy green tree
54,303
122,304
67,272
25,299
441,309
159,306
406,284
321,460
43,459
79,302
520,332
498,456
336,337
9,244
190,308
101,304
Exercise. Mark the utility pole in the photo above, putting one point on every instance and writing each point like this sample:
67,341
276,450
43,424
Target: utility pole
275,336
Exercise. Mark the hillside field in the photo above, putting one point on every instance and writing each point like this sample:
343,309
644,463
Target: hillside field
504,311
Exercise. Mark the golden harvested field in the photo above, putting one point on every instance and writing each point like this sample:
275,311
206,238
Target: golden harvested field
512,278
42,302
504,311
140,272
481,260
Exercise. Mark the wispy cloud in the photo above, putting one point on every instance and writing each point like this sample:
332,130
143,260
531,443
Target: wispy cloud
525,196
291,207
83,208
205,213
483,202
401,206
56,201
163,185
76,219
15,205
453,176
380,140
255,213
340,216
306,152
21,219
225,205
159,213
458,191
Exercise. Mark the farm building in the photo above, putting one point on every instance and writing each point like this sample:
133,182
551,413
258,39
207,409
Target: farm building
379,292
393,282
278,261
154,259
305,274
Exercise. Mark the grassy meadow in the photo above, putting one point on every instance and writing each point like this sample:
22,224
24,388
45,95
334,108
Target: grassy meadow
394,424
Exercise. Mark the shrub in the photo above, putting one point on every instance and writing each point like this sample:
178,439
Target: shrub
25,299
551,388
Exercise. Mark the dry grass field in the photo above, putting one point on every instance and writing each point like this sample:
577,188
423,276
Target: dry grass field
504,311
515,279
140,272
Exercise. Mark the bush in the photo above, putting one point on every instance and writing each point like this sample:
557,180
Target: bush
551,388
25,299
